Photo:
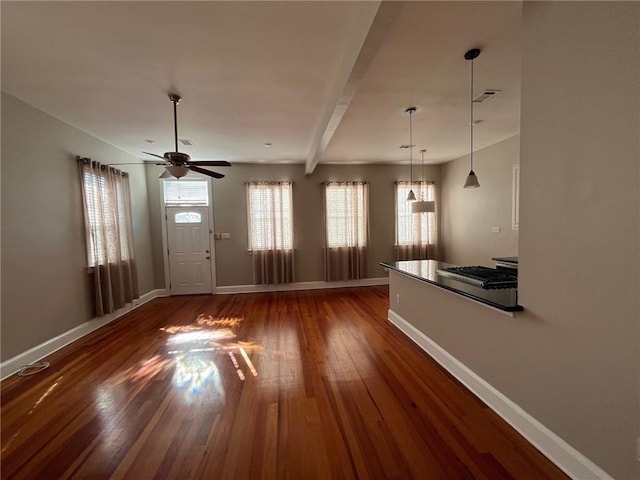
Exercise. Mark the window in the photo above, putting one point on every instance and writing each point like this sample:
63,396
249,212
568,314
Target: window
346,212
414,229
270,216
186,192
187,217
108,213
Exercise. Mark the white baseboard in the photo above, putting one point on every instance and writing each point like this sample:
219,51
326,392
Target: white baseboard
567,458
284,287
12,365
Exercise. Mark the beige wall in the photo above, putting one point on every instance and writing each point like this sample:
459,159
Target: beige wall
579,224
155,223
468,214
45,287
233,263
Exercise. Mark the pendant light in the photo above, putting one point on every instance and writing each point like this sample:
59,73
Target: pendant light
472,180
423,206
412,196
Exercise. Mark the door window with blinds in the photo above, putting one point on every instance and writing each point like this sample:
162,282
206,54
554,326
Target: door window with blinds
185,192
269,215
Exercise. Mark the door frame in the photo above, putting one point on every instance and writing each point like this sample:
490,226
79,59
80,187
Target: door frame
165,241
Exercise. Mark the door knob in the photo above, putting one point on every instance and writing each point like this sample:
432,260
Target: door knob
206,251
208,257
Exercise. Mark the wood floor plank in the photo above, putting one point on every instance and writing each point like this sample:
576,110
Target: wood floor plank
283,385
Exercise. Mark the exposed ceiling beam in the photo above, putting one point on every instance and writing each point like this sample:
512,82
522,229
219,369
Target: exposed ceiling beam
344,92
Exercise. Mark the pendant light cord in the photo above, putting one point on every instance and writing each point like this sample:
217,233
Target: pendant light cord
471,114
411,146
422,175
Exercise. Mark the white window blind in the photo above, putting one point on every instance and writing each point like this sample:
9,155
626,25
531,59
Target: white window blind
270,215
411,228
106,211
185,192
346,214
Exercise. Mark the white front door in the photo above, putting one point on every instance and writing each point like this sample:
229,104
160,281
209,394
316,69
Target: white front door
189,250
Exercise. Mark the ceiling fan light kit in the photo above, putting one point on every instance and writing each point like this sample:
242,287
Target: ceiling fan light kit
178,164
472,179
177,171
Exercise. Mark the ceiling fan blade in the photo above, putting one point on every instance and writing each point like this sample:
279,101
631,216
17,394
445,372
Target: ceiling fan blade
116,164
155,162
205,172
155,155
165,174
211,163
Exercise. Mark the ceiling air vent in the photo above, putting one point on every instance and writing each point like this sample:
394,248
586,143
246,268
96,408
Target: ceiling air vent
184,141
486,95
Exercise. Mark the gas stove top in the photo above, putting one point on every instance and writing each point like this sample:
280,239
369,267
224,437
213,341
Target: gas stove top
483,277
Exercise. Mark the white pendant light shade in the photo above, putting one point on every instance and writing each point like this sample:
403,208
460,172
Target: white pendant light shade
472,180
178,171
423,206
411,197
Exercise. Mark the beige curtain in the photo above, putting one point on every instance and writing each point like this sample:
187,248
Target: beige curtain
270,227
346,225
416,233
109,235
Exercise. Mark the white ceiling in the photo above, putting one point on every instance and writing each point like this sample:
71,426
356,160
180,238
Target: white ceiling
321,81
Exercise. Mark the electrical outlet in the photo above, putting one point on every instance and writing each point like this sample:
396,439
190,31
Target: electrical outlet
226,236
495,229
398,298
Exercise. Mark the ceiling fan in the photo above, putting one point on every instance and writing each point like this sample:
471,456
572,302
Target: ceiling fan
177,163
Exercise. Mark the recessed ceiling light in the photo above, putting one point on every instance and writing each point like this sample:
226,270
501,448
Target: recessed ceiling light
184,141
407,146
267,144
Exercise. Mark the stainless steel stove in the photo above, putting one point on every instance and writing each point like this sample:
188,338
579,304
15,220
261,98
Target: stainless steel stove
484,277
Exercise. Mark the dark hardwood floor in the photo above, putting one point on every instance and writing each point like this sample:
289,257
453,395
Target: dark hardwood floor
296,385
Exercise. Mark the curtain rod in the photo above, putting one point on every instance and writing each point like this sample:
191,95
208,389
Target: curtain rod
348,182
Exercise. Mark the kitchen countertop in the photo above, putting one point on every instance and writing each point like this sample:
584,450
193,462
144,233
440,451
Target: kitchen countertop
426,270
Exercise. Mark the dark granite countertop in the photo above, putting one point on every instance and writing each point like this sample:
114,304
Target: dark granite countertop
426,270
506,259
